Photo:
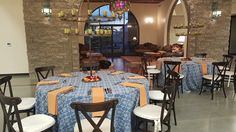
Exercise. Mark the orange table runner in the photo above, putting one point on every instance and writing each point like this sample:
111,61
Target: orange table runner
47,82
98,95
204,68
136,77
52,98
142,91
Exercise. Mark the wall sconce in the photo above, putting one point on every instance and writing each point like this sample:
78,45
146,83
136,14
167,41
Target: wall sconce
134,38
215,10
46,10
149,20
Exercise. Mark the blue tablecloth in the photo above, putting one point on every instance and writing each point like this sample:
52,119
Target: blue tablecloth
128,98
192,71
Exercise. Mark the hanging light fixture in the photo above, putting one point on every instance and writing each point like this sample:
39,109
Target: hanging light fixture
119,7
215,9
46,10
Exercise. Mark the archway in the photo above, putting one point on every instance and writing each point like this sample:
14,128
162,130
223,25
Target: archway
176,9
124,37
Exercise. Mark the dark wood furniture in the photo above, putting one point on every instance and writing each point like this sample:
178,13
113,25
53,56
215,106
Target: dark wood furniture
173,66
27,104
216,80
94,107
43,72
19,125
162,114
229,59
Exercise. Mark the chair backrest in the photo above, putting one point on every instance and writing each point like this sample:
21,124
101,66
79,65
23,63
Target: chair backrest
229,60
94,107
43,72
144,64
5,84
235,77
12,102
167,103
218,72
201,55
171,66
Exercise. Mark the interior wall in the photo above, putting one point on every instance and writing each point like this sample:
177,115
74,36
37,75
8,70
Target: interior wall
13,56
233,8
176,20
162,14
148,32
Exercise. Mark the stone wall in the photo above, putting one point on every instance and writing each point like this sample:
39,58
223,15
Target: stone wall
46,43
215,33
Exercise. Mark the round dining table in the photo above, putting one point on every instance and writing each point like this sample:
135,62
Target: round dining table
128,98
191,69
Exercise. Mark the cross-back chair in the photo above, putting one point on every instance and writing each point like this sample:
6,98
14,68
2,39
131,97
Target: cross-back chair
94,124
26,105
173,66
216,79
229,59
160,115
44,72
156,96
9,104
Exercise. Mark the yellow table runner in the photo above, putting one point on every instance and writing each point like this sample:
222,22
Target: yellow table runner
52,98
136,77
117,72
142,91
47,82
66,75
204,68
98,95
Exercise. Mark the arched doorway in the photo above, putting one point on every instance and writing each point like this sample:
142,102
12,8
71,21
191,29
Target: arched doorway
177,15
124,37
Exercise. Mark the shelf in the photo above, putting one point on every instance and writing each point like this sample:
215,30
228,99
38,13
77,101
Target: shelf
87,35
90,19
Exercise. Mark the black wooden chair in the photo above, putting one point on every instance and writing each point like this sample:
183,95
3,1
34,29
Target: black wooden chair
201,55
216,80
101,124
173,66
155,113
229,59
42,122
26,105
156,96
43,72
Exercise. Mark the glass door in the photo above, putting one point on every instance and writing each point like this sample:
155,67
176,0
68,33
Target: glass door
118,40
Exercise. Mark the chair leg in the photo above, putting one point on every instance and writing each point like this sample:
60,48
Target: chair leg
212,91
4,125
174,114
201,87
223,87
